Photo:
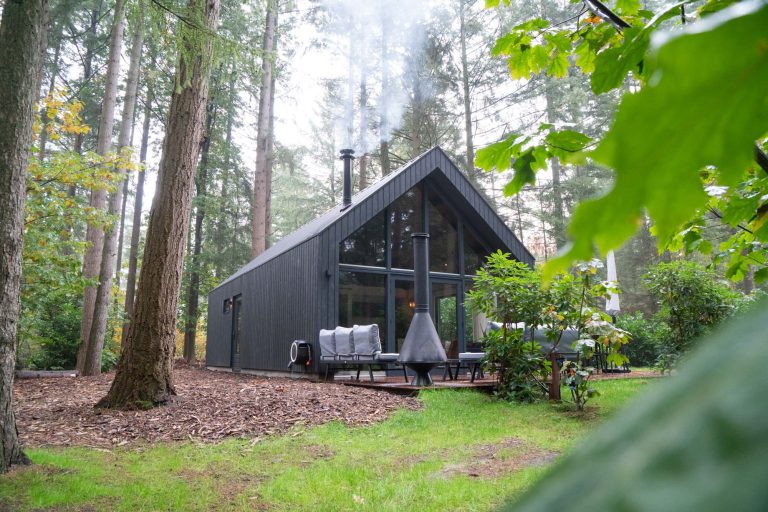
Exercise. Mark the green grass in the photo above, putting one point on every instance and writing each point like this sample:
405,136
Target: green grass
401,464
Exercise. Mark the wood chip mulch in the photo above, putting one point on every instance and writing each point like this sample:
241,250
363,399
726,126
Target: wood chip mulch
211,406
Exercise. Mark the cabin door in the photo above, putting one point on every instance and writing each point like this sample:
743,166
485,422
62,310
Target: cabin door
237,306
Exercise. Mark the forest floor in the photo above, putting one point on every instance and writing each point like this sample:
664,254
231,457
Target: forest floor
211,406
460,450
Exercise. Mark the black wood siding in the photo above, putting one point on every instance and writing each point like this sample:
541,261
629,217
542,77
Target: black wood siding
280,304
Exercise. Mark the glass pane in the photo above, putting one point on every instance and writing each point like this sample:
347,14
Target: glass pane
475,324
404,306
443,237
474,253
444,315
367,245
406,219
363,300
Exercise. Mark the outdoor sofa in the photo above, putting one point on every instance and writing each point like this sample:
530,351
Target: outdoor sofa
355,347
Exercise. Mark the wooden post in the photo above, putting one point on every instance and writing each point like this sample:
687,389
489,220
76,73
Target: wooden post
554,387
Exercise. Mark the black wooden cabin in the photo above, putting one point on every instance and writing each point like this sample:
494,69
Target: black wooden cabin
354,265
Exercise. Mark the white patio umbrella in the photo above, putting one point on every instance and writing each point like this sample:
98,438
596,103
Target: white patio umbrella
612,303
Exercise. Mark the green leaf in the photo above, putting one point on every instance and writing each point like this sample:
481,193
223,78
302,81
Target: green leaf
519,66
558,66
585,57
567,140
761,275
499,154
538,57
628,7
613,65
696,442
524,173
706,105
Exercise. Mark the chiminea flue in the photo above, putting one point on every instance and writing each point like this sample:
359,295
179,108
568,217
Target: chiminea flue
422,349
347,155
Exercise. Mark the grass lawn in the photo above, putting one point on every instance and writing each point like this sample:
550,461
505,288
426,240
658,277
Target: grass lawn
464,451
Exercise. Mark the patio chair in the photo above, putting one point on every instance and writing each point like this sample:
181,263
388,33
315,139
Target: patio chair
367,345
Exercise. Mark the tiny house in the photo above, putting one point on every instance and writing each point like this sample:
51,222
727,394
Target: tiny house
354,265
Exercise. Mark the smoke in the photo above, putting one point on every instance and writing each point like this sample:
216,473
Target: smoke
373,40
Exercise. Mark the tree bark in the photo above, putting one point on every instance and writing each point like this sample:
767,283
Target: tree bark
558,215
92,364
144,375
138,203
384,128
94,233
22,46
193,291
363,160
44,114
260,185
90,45
270,159
467,100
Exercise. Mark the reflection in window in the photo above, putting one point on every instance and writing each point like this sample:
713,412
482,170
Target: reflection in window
475,325
404,309
443,308
443,237
367,245
474,253
363,300
406,219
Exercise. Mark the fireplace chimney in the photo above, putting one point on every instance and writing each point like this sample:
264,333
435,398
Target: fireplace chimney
347,155
422,349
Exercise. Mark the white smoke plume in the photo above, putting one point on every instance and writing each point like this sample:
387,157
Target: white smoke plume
372,39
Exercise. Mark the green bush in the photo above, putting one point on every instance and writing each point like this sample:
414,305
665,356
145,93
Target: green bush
519,365
54,331
649,335
691,301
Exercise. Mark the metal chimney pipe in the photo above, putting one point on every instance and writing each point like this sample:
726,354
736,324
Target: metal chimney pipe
421,271
347,155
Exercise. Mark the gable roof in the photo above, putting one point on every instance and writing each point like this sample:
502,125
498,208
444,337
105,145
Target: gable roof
433,161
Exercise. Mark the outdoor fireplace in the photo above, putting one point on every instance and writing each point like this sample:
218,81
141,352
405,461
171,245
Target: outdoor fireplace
422,349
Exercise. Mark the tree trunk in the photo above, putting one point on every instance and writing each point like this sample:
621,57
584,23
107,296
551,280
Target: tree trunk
90,45
384,128
22,45
558,223
270,160
144,375
51,88
193,291
95,234
467,100
92,364
260,184
133,252
363,160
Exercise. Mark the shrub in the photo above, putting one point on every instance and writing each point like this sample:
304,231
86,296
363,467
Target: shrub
649,335
691,301
519,365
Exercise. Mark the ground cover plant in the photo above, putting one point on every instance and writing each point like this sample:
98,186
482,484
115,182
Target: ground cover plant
454,454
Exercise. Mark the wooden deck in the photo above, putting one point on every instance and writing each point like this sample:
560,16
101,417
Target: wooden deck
397,384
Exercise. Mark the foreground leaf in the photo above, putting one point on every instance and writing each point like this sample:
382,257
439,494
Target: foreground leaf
697,442
706,104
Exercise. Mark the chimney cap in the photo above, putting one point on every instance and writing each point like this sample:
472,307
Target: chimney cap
347,153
